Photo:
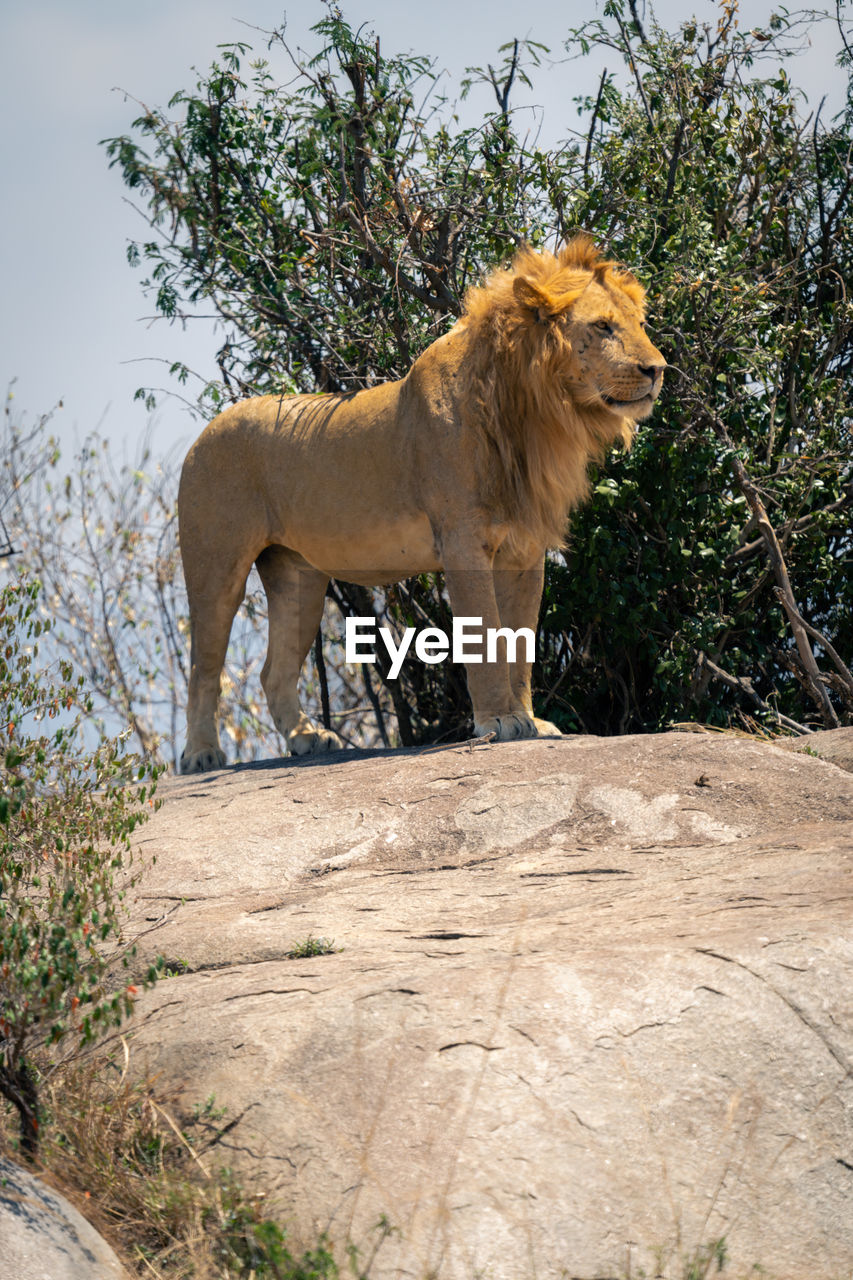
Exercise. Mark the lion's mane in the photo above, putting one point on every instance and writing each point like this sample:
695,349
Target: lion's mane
537,438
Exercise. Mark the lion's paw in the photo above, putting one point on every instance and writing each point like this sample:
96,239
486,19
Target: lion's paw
506,728
544,729
313,740
202,761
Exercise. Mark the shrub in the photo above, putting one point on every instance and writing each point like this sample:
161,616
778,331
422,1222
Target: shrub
66,816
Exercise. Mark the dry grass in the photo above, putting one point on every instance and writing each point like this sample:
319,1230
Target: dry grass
751,730
151,1184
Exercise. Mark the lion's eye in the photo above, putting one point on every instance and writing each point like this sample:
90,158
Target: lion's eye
604,326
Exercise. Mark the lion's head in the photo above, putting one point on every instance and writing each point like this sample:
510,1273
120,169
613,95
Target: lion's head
595,312
564,369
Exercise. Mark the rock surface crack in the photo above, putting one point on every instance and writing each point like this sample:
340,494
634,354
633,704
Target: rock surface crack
806,1020
461,1044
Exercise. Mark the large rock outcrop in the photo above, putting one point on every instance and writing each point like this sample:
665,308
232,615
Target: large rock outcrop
590,1009
43,1237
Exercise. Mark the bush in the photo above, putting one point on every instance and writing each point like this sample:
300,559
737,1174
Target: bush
66,816
689,575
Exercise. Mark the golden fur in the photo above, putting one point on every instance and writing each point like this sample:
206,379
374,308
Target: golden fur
469,464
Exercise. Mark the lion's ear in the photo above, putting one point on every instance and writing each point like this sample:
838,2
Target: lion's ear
529,295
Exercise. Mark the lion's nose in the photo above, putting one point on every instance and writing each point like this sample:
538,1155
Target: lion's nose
654,372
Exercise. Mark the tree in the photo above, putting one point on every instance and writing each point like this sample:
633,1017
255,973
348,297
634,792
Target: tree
334,224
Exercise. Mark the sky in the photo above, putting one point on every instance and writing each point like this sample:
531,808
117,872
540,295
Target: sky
74,324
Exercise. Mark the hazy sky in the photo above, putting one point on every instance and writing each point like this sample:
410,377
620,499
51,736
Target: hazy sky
74,319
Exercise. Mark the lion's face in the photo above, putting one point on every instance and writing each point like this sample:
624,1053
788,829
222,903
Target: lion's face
591,318
612,361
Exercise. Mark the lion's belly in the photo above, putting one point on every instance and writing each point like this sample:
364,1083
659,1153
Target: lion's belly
373,556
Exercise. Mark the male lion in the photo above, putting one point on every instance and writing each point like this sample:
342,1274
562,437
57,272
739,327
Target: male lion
469,464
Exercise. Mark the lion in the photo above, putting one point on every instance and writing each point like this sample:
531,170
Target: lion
470,464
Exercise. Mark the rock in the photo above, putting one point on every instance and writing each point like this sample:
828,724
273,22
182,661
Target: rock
590,1009
43,1237
834,745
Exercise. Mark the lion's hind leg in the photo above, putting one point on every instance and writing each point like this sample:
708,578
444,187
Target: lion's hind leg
215,593
295,597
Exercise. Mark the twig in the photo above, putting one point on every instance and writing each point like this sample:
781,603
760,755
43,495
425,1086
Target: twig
548,695
374,700
442,305
673,163
638,81
502,95
840,26
818,174
791,526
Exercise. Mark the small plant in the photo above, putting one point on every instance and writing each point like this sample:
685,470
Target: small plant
706,1260
251,1245
312,947
207,1112
708,1257
66,817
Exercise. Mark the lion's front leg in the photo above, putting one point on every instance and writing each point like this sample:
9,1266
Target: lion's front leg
519,597
501,707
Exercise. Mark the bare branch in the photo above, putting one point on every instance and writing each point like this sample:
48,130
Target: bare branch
442,302
632,5
844,673
743,685
593,122
780,571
